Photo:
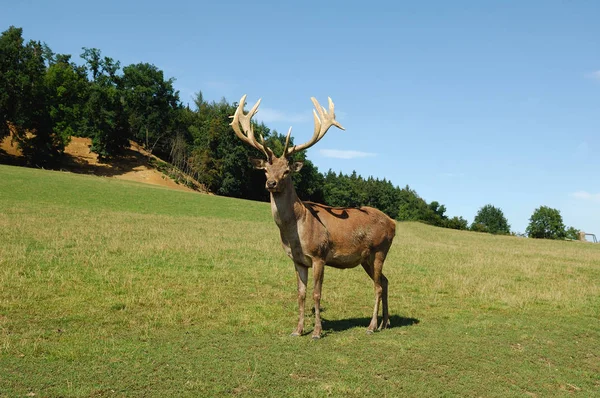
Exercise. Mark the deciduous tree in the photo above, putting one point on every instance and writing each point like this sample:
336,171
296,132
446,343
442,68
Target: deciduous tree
490,219
67,93
24,98
151,103
546,223
105,118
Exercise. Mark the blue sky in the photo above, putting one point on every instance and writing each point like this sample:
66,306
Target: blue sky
468,102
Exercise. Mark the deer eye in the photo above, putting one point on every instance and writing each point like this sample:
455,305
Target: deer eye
286,173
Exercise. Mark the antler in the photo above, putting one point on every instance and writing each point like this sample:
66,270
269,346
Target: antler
322,124
323,121
248,132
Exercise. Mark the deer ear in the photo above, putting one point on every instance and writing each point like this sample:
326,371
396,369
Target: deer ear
296,166
258,163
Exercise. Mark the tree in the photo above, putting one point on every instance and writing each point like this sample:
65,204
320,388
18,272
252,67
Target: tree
105,118
151,103
309,182
24,98
414,208
67,92
12,79
218,157
546,223
490,219
382,195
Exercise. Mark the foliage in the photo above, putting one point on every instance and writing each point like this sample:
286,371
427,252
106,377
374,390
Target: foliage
309,182
67,87
572,233
12,79
24,99
106,120
355,191
220,161
150,103
490,219
415,208
457,222
546,223
477,227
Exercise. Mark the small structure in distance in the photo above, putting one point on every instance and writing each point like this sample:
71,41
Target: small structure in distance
583,237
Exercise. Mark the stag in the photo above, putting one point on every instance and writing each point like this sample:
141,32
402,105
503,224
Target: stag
315,235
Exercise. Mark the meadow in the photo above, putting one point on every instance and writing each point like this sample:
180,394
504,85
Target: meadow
115,288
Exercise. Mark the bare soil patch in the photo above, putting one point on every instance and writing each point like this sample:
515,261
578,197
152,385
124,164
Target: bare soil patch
9,153
134,165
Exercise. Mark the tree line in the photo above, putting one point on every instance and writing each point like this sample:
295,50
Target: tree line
47,98
544,223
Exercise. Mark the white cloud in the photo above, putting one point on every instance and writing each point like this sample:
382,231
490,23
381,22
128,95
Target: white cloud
270,115
584,195
342,154
594,75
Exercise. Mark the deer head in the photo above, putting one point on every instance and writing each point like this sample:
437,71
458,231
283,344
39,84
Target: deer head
279,169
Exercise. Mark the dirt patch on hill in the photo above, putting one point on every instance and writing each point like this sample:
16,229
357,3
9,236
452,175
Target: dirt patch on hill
135,165
9,153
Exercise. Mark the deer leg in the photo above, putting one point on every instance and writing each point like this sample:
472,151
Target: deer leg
373,267
385,322
318,268
302,277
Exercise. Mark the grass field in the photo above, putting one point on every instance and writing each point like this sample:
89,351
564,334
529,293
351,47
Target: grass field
110,288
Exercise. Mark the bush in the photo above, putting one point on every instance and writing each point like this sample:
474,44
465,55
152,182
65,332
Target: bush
478,227
457,223
572,233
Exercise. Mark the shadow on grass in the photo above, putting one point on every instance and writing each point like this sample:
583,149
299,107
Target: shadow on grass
340,325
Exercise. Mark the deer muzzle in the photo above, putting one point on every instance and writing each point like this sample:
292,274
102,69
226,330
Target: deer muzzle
271,185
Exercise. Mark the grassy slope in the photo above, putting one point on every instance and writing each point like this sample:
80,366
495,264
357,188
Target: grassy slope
110,288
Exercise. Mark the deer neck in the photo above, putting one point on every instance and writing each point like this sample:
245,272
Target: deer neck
286,207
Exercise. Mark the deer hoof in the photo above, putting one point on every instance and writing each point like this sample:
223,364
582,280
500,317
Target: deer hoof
369,331
295,334
384,325
316,337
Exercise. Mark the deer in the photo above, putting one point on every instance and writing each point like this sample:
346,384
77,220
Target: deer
315,235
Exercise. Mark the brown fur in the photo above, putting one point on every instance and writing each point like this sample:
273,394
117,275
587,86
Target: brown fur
314,235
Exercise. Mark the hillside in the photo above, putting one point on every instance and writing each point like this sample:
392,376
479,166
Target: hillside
115,288
134,165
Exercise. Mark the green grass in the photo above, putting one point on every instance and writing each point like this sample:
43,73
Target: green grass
111,288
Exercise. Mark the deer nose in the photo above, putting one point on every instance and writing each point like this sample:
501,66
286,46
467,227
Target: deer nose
271,184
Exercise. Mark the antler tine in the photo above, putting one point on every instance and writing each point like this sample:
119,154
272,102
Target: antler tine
245,121
247,135
326,117
287,142
323,121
